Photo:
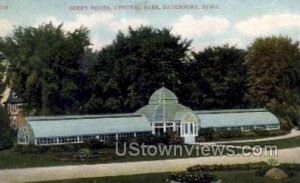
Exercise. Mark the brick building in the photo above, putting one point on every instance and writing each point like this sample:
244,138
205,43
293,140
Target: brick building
13,105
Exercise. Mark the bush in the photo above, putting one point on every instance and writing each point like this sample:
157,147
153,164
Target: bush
30,149
201,139
192,177
248,166
6,133
290,169
290,166
110,143
286,124
5,143
85,153
262,172
261,132
58,148
173,138
260,167
94,144
221,134
170,138
207,133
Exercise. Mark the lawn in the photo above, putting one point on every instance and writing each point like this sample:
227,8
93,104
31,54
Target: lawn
225,176
9,159
281,143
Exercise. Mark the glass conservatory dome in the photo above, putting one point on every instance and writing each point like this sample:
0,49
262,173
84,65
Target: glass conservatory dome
163,106
163,95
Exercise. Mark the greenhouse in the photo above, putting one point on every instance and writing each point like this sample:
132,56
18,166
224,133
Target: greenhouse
76,129
238,119
166,114
163,113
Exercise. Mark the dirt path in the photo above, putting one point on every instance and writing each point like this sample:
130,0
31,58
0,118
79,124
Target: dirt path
116,169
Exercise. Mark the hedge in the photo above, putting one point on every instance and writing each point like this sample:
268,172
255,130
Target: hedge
247,166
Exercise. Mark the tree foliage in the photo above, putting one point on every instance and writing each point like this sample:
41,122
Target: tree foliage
273,65
2,77
216,78
5,130
55,72
133,67
44,67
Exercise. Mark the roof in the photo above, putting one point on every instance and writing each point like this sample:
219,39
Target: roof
231,110
163,106
162,112
240,117
187,116
163,95
59,126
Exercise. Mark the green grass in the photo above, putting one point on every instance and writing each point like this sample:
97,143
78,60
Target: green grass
10,159
281,143
225,176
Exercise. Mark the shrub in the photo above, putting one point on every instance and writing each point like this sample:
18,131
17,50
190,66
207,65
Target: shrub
261,172
272,162
286,124
110,143
290,169
261,132
201,139
5,143
57,148
173,138
6,133
30,149
85,153
207,133
221,134
72,147
94,144
290,166
248,166
66,147
192,177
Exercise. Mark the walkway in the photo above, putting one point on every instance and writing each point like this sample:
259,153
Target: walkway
129,168
294,133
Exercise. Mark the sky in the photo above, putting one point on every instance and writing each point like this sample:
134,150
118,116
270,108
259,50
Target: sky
213,23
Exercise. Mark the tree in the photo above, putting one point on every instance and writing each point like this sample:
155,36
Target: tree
5,130
273,65
136,64
216,78
44,67
2,77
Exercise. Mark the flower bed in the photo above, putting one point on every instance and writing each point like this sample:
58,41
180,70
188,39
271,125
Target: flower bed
248,166
192,177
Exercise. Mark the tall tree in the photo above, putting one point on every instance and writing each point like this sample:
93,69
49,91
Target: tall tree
44,67
216,79
273,65
134,66
5,130
2,77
